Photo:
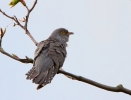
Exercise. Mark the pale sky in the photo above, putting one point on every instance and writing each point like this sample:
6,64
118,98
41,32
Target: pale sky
99,50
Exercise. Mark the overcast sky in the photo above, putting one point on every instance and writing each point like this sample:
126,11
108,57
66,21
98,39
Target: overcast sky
99,50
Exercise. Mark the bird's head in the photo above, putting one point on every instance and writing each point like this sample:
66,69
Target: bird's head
61,35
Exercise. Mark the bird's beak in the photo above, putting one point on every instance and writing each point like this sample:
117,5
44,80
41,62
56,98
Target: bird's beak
70,33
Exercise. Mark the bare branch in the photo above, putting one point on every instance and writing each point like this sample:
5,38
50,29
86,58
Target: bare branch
118,88
68,76
6,15
28,13
15,58
17,22
13,18
31,37
26,21
33,5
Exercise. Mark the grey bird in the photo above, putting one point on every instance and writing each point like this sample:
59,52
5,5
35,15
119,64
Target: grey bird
49,57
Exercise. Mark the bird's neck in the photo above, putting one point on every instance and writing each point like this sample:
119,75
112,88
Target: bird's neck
60,40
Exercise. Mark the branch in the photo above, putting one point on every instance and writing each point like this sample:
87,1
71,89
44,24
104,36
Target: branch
26,22
27,60
15,19
28,13
118,88
6,15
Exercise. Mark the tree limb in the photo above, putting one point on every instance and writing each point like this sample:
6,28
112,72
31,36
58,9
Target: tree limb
118,88
15,57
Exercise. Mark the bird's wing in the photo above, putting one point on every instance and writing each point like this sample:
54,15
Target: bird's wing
42,63
40,46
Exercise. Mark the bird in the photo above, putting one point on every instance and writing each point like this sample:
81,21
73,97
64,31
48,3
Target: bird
49,57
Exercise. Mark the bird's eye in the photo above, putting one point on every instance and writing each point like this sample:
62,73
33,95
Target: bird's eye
62,32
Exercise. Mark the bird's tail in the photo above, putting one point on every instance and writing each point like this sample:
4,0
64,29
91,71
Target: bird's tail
43,78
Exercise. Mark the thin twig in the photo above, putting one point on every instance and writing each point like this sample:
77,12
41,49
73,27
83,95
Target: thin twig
17,22
28,13
13,18
6,15
26,22
33,5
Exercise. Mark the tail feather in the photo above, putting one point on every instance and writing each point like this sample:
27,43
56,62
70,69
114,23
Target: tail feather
52,72
39,87
31,73
42,78
48,78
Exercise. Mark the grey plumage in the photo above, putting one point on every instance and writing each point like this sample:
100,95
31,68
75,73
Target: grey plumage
49,57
